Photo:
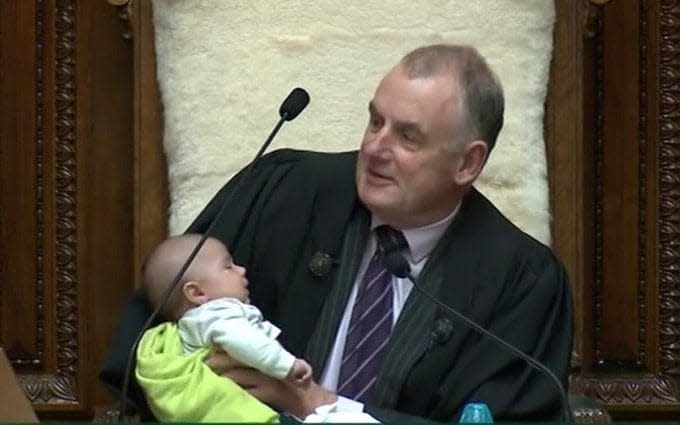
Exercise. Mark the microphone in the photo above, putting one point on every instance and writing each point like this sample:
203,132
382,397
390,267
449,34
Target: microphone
291,107
397,264
296,101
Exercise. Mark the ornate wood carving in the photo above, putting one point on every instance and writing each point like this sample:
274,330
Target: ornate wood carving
598,188
639,383
669,188
67,337
57,223
40,180
656,390
642,187
38,354
60,388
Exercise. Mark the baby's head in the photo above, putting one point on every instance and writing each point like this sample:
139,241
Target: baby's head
211,275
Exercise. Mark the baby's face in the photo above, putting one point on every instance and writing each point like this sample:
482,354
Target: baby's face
222,278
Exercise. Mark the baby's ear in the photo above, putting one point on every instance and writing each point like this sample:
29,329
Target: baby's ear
193,292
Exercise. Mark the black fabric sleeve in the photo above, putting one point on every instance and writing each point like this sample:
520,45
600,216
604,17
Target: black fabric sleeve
535,315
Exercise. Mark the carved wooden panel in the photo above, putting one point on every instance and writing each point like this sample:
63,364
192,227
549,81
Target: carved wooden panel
40,292
65,196
624,258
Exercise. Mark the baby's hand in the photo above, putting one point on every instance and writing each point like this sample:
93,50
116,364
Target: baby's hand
300,373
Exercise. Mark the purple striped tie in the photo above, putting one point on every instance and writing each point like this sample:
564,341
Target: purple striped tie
371,322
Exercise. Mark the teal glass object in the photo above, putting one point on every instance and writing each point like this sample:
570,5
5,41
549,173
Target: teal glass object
476,413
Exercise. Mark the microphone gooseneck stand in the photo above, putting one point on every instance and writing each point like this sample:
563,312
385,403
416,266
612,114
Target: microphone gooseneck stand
399,266
291,107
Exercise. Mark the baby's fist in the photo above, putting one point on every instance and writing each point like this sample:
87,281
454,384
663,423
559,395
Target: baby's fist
300,373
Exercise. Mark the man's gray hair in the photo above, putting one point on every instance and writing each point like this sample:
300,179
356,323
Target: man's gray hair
482,102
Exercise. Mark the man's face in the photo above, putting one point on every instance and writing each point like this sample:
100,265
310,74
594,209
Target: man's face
405,169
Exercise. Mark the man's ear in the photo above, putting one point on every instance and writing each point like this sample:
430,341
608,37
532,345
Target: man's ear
193,292
471,162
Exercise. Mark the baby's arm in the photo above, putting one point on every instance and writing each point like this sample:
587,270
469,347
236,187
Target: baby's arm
251,346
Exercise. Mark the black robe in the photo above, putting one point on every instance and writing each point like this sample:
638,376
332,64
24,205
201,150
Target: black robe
299,205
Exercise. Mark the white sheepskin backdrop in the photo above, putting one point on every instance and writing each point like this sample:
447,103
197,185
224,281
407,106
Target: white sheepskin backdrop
224,67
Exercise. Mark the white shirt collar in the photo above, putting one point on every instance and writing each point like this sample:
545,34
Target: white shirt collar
421,240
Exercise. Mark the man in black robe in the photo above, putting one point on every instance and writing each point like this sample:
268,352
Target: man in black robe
302,225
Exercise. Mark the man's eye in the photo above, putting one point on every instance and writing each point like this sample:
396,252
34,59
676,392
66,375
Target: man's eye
410,137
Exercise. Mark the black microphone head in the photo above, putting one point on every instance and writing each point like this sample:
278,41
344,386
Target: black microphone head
397,264
296,101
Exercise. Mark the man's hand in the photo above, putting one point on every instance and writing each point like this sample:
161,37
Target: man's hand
297,400
220,361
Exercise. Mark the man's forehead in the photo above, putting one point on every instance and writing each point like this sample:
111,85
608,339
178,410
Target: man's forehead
397,91
446,83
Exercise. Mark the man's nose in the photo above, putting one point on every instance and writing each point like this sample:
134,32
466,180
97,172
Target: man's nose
379,142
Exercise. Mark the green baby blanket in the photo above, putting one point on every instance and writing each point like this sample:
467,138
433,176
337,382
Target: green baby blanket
182,388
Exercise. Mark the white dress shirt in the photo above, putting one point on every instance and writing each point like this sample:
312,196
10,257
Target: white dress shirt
421,241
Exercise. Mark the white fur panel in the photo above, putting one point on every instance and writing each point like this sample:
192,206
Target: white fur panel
224,66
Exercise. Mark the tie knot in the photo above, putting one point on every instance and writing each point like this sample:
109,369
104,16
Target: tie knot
390,239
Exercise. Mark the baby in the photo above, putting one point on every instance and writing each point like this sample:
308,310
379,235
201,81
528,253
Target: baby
212,308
